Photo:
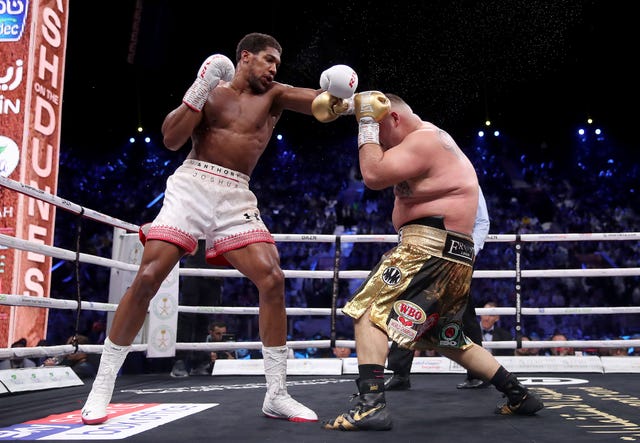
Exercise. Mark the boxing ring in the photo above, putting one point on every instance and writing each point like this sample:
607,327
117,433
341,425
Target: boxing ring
589,397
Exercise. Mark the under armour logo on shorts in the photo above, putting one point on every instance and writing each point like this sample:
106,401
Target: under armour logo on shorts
249,216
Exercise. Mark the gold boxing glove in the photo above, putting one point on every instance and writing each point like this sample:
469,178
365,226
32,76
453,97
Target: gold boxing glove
326,108
370,107
371,104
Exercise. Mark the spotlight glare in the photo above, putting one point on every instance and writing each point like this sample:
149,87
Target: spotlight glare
139,128
147,139
132,140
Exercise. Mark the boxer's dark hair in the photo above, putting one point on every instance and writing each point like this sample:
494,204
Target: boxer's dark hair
256,42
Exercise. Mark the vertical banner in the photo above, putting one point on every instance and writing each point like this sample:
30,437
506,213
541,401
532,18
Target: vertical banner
161,324
32,55
162,327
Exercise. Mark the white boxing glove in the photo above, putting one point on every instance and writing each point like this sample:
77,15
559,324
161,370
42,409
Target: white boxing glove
340,81
214,68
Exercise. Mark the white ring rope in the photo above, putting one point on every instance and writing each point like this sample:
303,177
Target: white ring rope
605,236
53,351
47,302
505,238
25,245
316,238
53,251
65,204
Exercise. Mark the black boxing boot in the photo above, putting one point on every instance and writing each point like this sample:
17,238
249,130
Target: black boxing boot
369,414
520,401
398,382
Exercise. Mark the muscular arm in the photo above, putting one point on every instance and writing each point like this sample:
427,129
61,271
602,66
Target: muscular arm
296,99
178,126
409,159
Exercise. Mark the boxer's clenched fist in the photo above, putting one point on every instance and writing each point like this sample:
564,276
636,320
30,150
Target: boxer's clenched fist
371,104
215,68
370,107
326,108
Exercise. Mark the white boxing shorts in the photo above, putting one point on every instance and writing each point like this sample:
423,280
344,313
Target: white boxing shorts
204,200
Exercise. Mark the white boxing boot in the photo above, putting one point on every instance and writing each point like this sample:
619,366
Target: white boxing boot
277,401
94,411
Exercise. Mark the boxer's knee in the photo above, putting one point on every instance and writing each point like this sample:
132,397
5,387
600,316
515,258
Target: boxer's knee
147,283
271,282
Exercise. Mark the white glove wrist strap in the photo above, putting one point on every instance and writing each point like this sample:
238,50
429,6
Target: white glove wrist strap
351,109
197,95
368,132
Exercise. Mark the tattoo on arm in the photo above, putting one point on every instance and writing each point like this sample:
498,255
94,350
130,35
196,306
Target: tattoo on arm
403,189
448,142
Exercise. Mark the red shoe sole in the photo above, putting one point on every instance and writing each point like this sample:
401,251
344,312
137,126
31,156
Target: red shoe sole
95,421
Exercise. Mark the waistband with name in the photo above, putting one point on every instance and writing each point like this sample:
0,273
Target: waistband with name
439,242
213,170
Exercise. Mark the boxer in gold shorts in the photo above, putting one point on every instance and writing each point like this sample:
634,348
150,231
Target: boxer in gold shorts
417,293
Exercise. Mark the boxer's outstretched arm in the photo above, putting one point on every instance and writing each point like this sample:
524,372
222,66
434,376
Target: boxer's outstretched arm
296,99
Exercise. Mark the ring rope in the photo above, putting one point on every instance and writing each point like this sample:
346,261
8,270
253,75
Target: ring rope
51,351
362,238
48,302
66,204
53,251
25,245
492,238
593,236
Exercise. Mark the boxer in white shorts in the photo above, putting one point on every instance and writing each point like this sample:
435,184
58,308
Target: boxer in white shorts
229,114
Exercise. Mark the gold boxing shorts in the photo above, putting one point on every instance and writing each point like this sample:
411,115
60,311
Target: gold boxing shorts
419,290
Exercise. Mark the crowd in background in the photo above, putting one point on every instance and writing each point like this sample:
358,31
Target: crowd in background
316,189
